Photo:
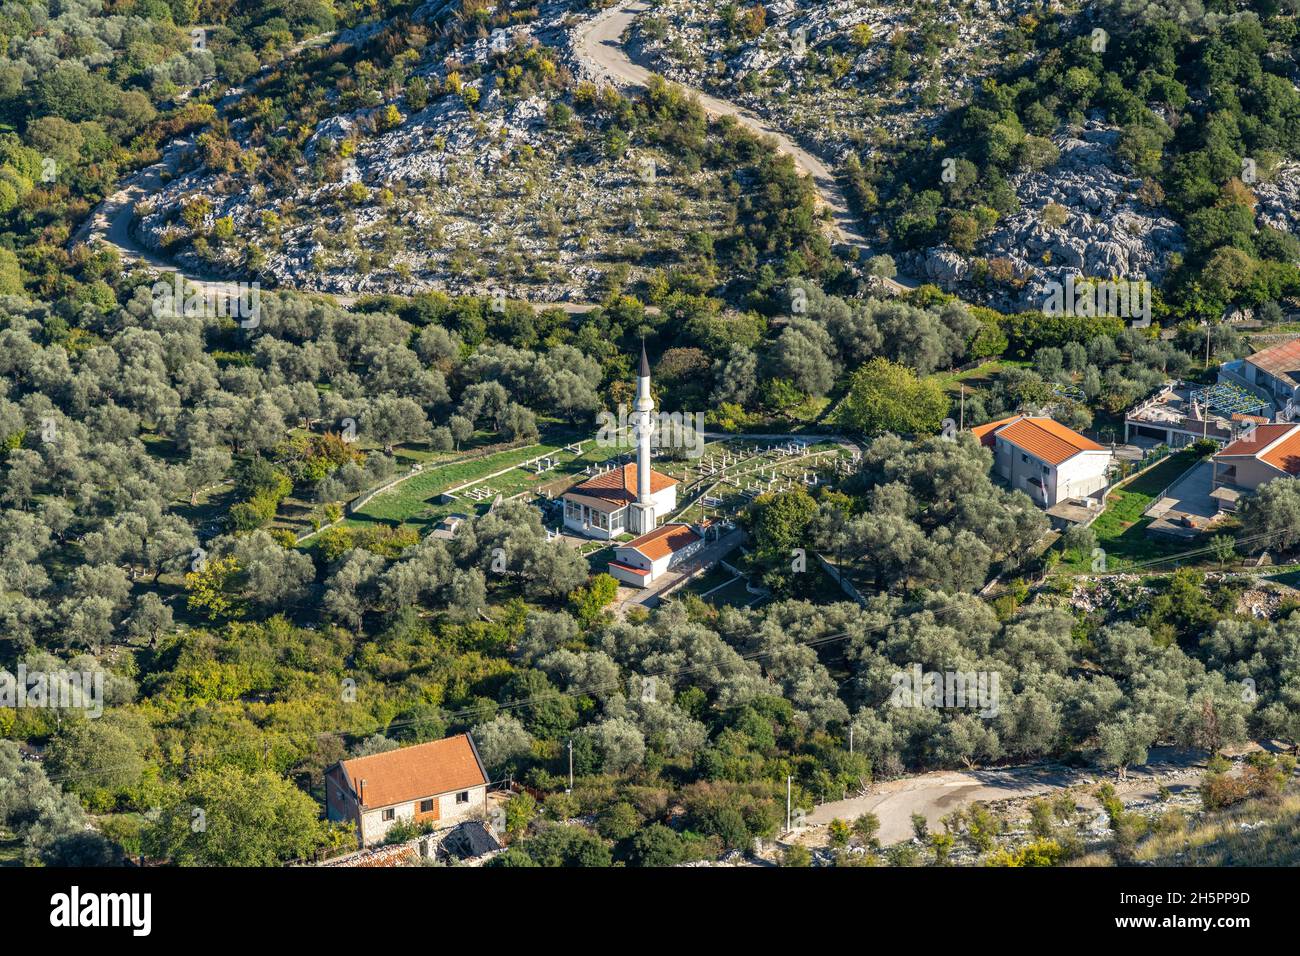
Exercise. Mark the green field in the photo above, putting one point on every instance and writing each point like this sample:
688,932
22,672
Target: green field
11,849
710,579
1121,528
733,595
980,376
415,500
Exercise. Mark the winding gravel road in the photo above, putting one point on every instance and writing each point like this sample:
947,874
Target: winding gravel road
599,44
934,795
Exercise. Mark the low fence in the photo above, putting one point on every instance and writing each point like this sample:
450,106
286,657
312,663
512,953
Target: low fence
845,584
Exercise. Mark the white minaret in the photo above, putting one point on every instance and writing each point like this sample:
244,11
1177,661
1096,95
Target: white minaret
642,513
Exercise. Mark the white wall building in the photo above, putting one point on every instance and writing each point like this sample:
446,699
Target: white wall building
631,499
642,560
603,506
1262,454
1044,459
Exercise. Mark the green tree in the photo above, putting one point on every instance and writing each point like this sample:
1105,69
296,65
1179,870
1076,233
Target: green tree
588,602
796,855
225,816
520,811
1270,518
618,821
885,396
656,845
781,522
1224,548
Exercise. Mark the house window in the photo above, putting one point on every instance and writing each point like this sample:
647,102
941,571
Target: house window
1025,459
462,797
426,806
389,815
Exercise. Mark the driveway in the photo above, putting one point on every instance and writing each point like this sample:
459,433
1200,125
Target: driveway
1189,495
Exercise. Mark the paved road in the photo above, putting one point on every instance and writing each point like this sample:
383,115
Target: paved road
600,44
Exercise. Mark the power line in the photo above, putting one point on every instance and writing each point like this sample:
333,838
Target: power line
462,715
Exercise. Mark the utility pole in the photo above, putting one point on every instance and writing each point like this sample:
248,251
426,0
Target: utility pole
850,738
787,803
570,790
961,425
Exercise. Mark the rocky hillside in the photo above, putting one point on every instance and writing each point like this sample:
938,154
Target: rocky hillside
1080,216
833,73
1279,199
477,176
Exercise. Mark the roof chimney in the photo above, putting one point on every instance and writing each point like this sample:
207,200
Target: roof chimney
361,792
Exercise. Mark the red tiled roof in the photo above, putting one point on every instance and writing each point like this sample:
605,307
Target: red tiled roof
985,432
663,540
1281,361
413,773
1044,438
1274,444
618,485
627,567
1285,455
1260,438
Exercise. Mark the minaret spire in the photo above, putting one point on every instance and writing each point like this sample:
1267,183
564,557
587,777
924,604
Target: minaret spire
644,409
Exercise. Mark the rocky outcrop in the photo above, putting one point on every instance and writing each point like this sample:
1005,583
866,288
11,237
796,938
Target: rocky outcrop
1106,233
1279,199
769,74
455,198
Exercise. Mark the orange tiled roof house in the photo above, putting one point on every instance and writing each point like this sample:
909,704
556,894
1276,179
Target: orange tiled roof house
1260,455
441,782
1044,459
640,561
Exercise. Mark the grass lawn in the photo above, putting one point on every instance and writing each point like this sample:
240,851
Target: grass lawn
598,558
409,499
1121,528
1288,576
733,594
1273,838
413,501
11,849
710,579
978,377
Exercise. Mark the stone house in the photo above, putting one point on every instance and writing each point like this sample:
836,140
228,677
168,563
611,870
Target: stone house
441,782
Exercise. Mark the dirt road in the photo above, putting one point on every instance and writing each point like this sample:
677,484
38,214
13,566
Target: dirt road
599,44
937,794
